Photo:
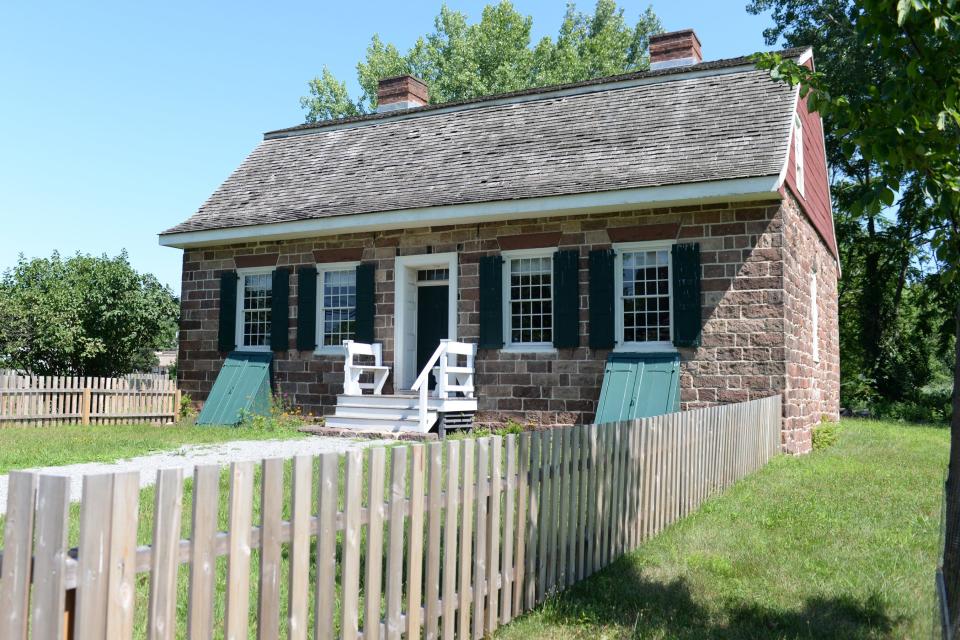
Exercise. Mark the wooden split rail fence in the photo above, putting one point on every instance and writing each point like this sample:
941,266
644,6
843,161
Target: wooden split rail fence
39,400
449,540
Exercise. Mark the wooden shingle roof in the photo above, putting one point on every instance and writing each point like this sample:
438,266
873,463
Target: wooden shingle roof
712,121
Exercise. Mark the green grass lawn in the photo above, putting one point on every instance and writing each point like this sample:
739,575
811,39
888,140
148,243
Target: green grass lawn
53,445
841,543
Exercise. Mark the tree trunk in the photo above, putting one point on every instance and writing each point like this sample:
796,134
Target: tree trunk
951,544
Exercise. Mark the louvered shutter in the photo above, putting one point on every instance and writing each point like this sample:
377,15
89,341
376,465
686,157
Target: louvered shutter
601,299
366,303
491,302
227,330
566,299
686,295
307,308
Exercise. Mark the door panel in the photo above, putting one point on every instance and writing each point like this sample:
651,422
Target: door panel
656,389
432,314
616,397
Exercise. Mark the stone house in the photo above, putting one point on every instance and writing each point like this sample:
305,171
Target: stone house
681,210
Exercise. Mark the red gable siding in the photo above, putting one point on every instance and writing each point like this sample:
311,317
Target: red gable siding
815,199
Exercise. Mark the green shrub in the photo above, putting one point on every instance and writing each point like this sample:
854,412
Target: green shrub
283,415
186,414
512,427
825,435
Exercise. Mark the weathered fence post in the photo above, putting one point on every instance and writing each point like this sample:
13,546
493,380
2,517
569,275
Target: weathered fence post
85,407
493,536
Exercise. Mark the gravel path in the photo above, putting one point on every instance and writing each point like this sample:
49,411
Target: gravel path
187,456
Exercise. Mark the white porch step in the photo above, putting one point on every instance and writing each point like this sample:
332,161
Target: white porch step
375,423
389,402
385,413
398,412
407,402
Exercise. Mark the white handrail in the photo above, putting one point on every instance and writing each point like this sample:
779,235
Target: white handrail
463,375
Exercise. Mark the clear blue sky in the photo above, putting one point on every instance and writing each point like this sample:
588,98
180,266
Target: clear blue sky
117,119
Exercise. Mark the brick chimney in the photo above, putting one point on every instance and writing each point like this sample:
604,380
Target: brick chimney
401,92
674,49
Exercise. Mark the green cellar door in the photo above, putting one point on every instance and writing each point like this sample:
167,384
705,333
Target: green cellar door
242,386
639,386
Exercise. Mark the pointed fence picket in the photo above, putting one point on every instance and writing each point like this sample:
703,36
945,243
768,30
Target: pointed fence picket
40,400
444,540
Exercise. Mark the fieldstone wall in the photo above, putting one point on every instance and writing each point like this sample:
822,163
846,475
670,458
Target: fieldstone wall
812,389
746,339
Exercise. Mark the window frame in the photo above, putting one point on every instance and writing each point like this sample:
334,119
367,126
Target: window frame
507,257
658,346
799,171
323,268
815,315
241,282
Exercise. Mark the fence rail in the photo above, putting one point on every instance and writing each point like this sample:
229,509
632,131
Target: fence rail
448,540
39,400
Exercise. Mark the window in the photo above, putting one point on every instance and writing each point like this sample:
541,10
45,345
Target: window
643,302
528,299
255,297
815,316
337,301
433,275
798,151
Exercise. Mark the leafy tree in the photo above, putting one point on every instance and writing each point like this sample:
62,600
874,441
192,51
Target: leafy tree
84,315
884,249
907,127
459,60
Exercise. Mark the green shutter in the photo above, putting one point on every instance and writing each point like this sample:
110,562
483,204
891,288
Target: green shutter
491,301
307,308
280,310
686,295
227,334
601,299
366,303
566,299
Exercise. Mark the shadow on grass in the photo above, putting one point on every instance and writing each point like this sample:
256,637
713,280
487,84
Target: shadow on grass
622,597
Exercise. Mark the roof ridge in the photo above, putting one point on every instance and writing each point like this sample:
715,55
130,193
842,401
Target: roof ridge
544,92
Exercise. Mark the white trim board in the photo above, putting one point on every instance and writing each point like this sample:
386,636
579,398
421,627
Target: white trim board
626,247
506,317
239,338
737,190
404,276
322,268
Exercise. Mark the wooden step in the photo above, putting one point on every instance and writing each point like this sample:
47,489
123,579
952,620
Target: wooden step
382,413
390,402
379,424
407,402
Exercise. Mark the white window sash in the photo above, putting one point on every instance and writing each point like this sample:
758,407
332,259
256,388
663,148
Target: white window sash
242,275
630,247
508,257
322,269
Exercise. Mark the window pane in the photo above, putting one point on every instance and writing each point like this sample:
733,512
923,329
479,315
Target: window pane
339,302
531,300
646,296
257,299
